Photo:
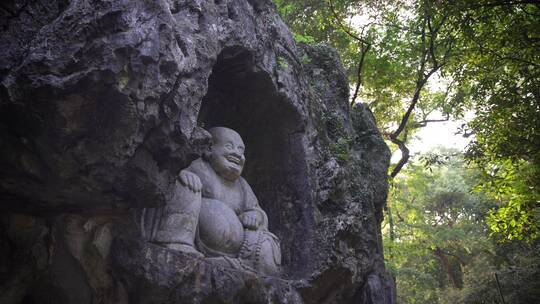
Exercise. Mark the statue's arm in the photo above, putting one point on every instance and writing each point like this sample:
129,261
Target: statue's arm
190,176
252,205
190,180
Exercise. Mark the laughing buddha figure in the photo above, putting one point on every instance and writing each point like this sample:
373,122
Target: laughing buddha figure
215,213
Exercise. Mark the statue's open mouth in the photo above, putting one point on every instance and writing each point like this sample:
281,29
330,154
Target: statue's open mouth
234,160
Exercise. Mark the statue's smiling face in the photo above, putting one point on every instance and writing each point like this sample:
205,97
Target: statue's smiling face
227,153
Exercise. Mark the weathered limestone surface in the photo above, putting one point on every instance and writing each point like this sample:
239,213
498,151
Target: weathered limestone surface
103,103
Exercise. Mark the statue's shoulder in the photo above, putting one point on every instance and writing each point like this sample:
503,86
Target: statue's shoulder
243,183
207,175
199,167
249,196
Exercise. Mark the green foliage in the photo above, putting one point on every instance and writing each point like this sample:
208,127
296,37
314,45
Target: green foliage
517,217
517,220
437,239
303,38
342,150
498,65
306,60
282,63
517,269
341,143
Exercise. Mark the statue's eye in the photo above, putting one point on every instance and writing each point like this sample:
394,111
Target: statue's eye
228,146
241,149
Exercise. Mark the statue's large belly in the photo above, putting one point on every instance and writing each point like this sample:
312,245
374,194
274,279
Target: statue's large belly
219,227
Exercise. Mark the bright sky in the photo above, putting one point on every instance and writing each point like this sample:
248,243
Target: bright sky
436,134
439,134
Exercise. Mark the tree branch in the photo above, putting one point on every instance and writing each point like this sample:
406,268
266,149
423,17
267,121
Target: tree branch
405,154
393,137
359,80
504,3
343,27
432,36
419,86
422,78
424,122
433,32
502,57
441,254
364,48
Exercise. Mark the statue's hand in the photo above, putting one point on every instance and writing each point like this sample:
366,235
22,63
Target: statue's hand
190,180
251,219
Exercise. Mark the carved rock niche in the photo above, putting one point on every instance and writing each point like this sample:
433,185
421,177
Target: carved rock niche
244,98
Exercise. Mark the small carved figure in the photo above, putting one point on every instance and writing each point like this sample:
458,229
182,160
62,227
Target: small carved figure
215,212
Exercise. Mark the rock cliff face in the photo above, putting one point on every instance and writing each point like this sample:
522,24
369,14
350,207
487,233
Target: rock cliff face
102,103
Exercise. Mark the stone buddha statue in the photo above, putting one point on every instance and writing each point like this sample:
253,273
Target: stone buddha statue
215,213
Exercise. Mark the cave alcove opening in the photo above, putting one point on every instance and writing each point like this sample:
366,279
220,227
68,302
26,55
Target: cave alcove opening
243,97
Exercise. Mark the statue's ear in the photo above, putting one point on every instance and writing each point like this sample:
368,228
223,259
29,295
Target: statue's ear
208,152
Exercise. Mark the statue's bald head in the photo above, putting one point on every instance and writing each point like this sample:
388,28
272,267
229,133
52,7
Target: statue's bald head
222,132
227,153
